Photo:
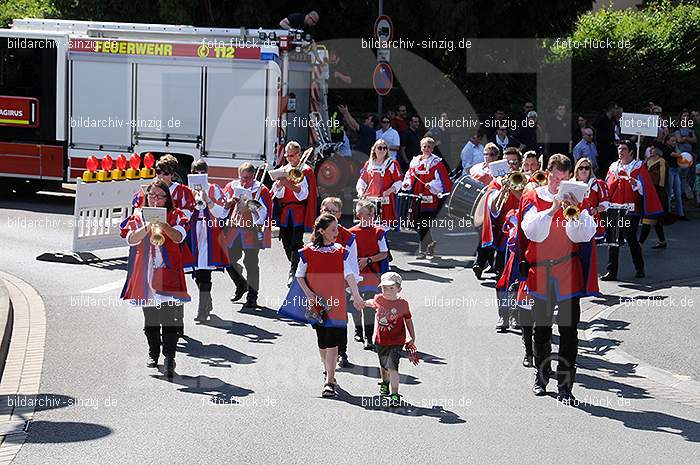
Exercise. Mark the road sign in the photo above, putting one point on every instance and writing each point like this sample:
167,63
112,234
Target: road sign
383,55
383,78
383,28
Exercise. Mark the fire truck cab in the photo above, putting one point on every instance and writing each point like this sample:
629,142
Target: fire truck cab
71,89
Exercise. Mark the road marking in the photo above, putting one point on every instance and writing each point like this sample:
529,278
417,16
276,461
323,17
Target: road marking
104,288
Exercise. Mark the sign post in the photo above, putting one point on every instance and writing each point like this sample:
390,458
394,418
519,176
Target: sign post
639,124
383,32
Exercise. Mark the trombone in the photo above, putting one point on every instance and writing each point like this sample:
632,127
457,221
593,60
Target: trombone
516,181
295,174
254,204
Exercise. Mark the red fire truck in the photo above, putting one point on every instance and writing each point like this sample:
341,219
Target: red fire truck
71,89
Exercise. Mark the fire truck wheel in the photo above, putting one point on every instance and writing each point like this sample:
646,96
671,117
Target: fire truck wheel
332,173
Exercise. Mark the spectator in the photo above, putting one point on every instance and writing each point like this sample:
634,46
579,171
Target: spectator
366,132
604,127
617,116
662,131
686,139
503,141
581,124
398,122
673,188
441,137
586,148
472,153
300,21
339,73
529,133
390,135
528,106
489,130
559,133
410,142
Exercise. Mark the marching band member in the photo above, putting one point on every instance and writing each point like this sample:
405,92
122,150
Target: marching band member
296,205
322,274
334,206
482,173
372,252
205,239
554,273
381,177
596,200
155,278
531,163
501,199
427,176
182,199
249,231
505,294
629,183
180,193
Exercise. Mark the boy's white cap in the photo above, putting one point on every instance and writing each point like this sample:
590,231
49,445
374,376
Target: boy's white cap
390,278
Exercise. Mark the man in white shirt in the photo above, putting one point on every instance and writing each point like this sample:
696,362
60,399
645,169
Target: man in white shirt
389,135
472,152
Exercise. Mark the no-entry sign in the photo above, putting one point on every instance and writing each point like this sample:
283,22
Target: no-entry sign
383,78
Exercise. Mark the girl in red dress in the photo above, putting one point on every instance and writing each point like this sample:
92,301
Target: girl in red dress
323,270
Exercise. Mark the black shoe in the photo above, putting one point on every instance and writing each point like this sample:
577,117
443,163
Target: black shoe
565,396
169,366
343,361
640,274
152,362
239,293
683,218
477,271
660,245
527,361
539,388
369,346
502,325
359,338
608,277
513,323
251,304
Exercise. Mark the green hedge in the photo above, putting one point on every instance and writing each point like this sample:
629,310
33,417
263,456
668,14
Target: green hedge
661,63
14,9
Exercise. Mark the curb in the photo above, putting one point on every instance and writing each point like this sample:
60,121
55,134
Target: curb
22,372
669,385
6,319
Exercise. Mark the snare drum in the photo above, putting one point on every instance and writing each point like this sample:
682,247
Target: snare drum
409,209
376,201
614,220
466,199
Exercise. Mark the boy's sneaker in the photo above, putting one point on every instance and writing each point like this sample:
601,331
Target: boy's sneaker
383,388
328,390
395,400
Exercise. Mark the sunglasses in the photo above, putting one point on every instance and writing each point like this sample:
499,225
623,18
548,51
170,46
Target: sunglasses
582,168
331,211
382,147
163,172
513,162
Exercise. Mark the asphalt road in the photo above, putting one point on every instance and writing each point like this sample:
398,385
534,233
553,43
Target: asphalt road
248,384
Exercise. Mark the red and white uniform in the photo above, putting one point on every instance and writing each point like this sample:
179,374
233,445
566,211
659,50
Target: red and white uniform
375,179
297,208
348,240
370,240
492,234
245,225
205,238
181,194
155,275
632,183
325,269
510,271
596,196
481,173
433,179
552,248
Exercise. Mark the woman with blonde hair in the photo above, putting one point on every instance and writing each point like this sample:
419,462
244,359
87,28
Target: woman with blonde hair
381,177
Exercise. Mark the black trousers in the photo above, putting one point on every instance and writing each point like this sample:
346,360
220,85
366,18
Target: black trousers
526,321
251,262
162,327
203,280
646,229
423,229
629,233
292,240
568,317
484,255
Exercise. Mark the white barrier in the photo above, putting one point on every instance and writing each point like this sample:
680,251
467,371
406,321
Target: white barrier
99,208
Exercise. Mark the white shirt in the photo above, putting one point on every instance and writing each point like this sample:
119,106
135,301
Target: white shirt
471,155
536,224
391,136
381,168
278,192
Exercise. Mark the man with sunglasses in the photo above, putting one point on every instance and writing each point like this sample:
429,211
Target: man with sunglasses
629,183
390,135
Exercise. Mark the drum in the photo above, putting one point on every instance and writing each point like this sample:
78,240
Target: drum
376,201
409,209
467,200
614,220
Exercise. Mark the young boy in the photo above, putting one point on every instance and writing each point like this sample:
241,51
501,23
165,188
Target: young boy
393,317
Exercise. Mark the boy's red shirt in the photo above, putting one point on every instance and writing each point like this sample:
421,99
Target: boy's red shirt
390,321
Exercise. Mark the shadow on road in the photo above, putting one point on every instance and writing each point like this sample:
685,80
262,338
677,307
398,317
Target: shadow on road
214,355
217,389
377,403
373,372
415,275
55,432
252,333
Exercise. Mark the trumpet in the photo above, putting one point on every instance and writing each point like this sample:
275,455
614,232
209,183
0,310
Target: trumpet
540,177
198,196
571,211
157,237
515,181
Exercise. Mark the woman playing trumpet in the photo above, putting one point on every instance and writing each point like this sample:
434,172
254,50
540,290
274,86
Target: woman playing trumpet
381,177
155,278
